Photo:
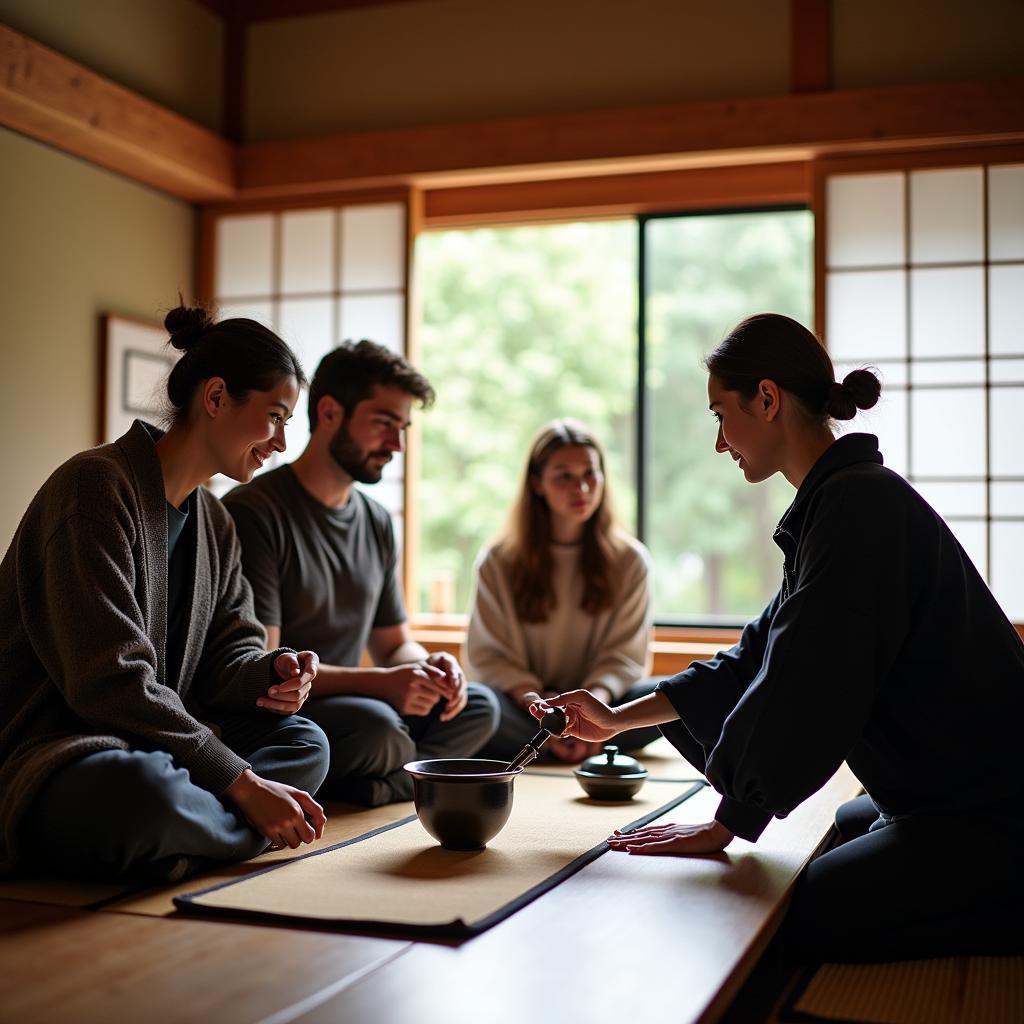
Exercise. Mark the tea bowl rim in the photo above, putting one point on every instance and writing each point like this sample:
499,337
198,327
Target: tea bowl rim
418,770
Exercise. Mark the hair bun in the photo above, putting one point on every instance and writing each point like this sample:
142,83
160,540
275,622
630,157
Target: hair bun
863,386
840,404
859,390
185,324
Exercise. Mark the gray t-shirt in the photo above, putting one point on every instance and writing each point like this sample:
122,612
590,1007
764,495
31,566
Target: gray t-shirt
325,576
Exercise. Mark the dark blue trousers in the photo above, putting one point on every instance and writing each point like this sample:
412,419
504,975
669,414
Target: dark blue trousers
136,814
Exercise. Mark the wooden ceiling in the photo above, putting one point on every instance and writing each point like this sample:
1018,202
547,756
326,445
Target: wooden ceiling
47,96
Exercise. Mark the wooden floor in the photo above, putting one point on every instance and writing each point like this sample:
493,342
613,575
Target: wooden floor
671,938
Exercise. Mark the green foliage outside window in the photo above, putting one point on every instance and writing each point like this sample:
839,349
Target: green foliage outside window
520,325
710,531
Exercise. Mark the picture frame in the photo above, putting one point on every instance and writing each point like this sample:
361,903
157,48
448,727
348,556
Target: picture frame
134,362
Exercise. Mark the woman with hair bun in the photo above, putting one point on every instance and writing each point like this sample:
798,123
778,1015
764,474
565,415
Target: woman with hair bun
144,728
883,648
563,599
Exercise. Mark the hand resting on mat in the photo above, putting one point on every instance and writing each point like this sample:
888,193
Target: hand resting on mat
298,673
285,815
673,839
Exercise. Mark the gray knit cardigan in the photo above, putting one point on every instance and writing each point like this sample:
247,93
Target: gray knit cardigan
83,626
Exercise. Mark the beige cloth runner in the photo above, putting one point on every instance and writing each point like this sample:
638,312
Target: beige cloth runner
401,877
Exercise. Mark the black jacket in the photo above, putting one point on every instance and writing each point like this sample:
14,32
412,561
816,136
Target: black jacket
883,648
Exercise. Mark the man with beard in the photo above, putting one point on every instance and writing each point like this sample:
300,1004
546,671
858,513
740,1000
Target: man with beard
321,557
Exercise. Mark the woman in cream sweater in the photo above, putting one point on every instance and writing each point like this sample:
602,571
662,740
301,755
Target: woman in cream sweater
562,598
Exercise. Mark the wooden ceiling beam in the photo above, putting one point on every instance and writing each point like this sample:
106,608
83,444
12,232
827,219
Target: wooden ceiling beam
726,131
770,184
58,101
53,99
810,45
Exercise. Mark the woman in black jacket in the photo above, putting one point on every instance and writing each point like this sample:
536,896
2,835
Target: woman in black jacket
883,648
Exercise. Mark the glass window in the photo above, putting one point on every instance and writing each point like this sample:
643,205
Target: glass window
710,531
520,325
524,324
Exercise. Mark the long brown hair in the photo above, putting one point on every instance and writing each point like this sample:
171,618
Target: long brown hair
525,546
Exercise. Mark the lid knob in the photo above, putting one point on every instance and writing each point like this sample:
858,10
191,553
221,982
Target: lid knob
610,752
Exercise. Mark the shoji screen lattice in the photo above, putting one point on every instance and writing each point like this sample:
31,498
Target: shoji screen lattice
925,281
318,277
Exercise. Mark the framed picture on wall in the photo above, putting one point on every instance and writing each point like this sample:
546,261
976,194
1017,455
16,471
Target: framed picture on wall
134,362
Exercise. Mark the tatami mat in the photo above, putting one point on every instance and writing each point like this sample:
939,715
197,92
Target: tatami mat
960,990
345,822
398,879
660,758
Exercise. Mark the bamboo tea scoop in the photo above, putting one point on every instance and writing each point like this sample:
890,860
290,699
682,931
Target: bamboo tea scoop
552,724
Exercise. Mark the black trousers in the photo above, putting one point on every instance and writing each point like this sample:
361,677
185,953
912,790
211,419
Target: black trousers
911,887
370,741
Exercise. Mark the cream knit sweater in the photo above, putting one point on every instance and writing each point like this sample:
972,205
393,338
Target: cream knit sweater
572,649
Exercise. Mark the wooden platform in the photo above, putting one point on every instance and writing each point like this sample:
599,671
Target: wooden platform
671,937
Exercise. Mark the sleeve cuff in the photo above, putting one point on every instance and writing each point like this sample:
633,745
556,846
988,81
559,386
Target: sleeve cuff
272,658
214,766
741,819
671,688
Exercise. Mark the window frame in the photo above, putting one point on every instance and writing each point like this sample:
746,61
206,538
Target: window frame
798,183
693,624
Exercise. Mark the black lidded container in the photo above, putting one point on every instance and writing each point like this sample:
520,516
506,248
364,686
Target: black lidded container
611,775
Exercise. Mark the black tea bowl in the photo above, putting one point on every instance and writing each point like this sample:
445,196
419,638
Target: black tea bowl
462,802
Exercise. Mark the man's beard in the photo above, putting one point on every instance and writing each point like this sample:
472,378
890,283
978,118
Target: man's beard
349,456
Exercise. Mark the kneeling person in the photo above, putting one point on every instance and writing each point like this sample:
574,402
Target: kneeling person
321,558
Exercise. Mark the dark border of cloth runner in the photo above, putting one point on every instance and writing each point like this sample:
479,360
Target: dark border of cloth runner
456,929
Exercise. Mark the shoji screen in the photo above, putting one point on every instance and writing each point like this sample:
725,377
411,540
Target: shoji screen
318,277
925,281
